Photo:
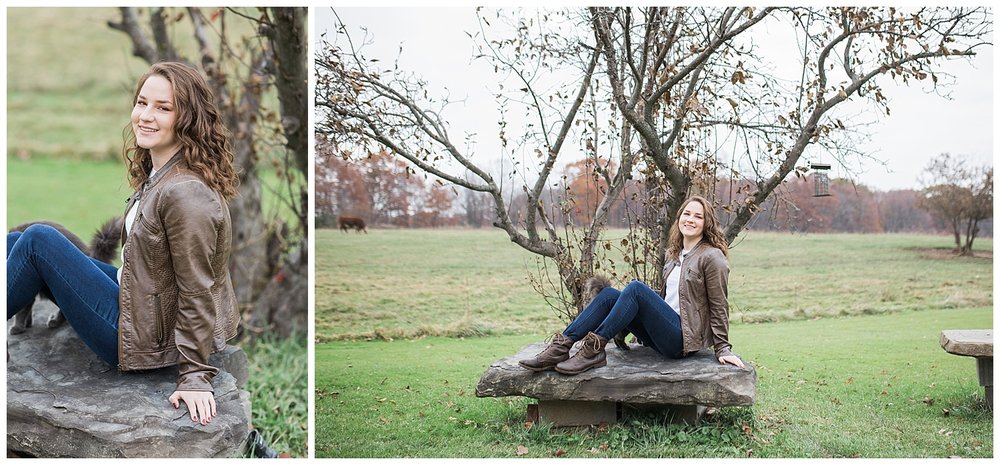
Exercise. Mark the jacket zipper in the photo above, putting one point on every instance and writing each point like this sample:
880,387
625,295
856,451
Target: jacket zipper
161,329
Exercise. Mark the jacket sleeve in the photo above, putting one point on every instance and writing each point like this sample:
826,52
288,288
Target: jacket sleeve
191,213
716,274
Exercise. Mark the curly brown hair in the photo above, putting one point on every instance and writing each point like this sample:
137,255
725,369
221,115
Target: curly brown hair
199,129
711,234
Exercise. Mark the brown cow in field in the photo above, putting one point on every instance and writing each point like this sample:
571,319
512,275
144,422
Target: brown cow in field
348,222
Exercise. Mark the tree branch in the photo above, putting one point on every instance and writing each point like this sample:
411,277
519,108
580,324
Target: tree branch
142,46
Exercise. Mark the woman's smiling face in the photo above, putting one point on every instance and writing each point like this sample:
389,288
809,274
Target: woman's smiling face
692,220
154,116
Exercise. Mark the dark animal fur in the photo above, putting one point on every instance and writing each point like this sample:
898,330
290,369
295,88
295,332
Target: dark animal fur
103,246
348,222
593,286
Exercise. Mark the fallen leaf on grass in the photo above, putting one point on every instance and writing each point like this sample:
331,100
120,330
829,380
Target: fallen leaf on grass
528,424
521,450
559,453
945,412
850,380
928,401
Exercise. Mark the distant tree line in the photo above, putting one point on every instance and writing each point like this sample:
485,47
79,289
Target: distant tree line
386,192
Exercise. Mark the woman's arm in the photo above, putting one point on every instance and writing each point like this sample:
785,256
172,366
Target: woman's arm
716,273
190,213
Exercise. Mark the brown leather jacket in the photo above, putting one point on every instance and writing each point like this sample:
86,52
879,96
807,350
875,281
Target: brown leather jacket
703,296
177,303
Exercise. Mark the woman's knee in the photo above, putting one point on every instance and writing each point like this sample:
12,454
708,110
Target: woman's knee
12,238
634,287
36,237
41,232
607,293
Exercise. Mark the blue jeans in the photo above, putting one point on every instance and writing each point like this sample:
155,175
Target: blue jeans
85,289
637,308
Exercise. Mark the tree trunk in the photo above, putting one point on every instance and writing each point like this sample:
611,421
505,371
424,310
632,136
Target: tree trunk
248,262
283,305
957,232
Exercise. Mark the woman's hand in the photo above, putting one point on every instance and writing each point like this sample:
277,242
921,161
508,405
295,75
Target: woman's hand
201,404
732,360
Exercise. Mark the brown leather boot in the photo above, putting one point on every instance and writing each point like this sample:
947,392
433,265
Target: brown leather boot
555,352
590,355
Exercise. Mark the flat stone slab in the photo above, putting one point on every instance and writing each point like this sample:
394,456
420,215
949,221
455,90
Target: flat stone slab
62,401
968,342
637,376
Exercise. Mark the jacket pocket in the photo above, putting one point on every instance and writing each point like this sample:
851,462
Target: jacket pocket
146,224
161,324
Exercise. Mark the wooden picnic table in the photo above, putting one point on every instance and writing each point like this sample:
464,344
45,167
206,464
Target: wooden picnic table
976,343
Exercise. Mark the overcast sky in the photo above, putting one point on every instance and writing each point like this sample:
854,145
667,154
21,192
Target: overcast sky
920,127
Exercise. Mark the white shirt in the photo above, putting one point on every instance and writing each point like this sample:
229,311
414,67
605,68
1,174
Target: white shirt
129,219
673,284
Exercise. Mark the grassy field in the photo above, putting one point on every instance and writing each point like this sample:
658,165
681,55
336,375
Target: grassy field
841,328
392,283
69,95
82,194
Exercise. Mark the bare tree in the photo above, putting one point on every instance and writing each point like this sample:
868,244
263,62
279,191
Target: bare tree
678,97
264,259
959,196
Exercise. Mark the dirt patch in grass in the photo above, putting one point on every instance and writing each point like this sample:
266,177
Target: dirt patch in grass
936,253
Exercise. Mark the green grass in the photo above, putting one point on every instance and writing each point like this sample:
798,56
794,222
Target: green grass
82,194
381,285
841,328
870,386
69,94
279,377
411,283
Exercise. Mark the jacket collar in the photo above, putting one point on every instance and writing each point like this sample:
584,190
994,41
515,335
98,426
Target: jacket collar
150,182
155,178
691,253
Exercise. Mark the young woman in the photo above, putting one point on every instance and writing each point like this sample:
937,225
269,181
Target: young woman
172,301
691,314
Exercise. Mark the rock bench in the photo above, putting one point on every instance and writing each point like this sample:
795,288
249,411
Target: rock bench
638,378
976,343
62,401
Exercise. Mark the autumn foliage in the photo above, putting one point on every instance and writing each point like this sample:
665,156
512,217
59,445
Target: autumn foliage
381,190
385,193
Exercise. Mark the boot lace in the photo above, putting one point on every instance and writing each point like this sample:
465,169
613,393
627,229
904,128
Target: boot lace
553,345
591,345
